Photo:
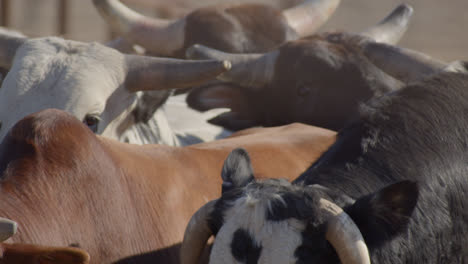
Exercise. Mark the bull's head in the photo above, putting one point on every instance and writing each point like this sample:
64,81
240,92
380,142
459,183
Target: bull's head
239,28
273,221
319,80
95,83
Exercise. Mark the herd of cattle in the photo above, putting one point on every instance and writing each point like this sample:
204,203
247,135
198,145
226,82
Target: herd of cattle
222,123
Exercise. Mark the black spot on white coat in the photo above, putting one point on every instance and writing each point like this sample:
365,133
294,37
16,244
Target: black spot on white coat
244,248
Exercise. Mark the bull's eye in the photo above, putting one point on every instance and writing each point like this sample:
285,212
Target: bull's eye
303,90
92,122
0,125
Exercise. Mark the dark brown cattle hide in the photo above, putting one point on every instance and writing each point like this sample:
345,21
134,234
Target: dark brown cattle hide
318,80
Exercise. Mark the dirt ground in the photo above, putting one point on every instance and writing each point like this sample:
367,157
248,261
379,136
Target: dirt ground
436,28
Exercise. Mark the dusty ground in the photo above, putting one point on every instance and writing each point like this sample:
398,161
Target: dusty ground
437,26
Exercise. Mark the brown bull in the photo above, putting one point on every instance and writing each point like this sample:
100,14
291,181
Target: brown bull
318,80
228,27
125,203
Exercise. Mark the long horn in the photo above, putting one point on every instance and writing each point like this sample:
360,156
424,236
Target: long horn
10,41
344,235
160,36
403,64
307,17
196,235
391,28
249,70
150,73
7,228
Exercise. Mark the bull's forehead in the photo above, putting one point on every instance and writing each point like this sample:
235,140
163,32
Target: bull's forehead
55,73
259,239
267,222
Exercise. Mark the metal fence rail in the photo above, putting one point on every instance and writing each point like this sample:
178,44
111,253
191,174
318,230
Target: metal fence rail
5,7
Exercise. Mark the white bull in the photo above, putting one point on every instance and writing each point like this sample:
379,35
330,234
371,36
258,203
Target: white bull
99,85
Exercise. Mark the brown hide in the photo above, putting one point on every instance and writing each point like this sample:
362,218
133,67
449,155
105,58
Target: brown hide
247,28
319,80
120,202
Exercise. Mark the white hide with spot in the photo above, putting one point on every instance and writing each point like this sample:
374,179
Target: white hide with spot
86,79
190,125
249,213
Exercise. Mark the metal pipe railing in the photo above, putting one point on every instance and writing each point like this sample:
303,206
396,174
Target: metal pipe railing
62,17
5,13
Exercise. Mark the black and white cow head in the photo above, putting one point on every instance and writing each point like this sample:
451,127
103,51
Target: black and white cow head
274,221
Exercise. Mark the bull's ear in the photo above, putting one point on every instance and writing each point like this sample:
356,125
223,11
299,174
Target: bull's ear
237,170
217,95
385,213
65,255
224,95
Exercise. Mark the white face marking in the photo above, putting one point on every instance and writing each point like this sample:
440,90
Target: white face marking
80,78
278,239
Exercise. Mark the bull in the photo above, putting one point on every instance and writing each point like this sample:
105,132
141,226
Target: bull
241,28
115,94
124,203
391,189
318,80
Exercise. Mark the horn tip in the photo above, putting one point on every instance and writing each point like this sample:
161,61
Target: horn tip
227,65
191,51
405,9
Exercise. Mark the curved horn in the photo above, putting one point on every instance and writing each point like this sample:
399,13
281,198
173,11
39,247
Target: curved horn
249,70
196,234
307,17
160,36
344,235
150,73
10,41
391,28
403,64
7,228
